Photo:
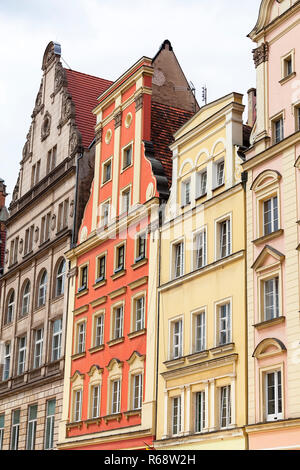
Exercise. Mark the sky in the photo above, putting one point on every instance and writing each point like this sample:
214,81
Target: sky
104,38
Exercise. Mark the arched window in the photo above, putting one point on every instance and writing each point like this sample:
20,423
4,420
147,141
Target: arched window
10,307
25,299
60,278
42,289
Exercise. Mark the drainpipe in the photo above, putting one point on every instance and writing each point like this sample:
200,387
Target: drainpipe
158,309
79,157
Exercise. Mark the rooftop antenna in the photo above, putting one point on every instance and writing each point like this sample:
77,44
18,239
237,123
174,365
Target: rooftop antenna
204,94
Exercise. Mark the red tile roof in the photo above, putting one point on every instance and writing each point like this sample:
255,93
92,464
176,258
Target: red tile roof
165,121
85,90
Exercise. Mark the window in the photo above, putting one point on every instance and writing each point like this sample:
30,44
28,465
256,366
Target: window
83,278
45,228
200,250
63,212
14,246
28,245
127,157
139,313
287,66
141,247
49,428
200,412
38,348
201,183
220,173
14,439
225,407
51,161
7,358
224,231
81,328
25,299
200,332
2,420
125,201
116,397
224,320
56,340
42,290
120,258
186,193
271,218
176,335
35,173
99,331
101,268
96,401
273,390
117,322
297,112
31,427
21,355
107,171
278,131
271,299
178,258
10,307
105,210
137,392
77,405
176,416
60,279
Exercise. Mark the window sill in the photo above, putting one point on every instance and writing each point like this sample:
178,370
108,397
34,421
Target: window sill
78,356
99,284
96,349
268,323
106,182
114,417
218,187
75,425
186,205
113,342
27,255
135,334
198,356
118,274
198,198
126,167
287,78
222,349
130,413
39,308
82,293
140,263
91,421
268,237
174,362
57,299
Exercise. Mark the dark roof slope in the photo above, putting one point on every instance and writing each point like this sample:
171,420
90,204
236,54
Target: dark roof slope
85,90
165,121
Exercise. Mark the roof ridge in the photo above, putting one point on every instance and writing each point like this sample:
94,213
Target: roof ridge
88,75
173,107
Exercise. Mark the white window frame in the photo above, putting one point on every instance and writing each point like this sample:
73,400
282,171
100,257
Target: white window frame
2,427
125,202
49,426
25,299
95,400
175,259
10,308
274,222
104,166
218,237
42,289
60,278
15,429
176,339
38,348
186,192
228,326
77,410
22,351
195,328
225,406
117,330
137,391
277,415
176,426
80,337
7,361
101,328
105,213
31,429
202,235
200,411
275,294
201,192
115,394
124,149
56,336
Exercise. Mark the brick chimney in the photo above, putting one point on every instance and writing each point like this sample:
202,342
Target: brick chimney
251,107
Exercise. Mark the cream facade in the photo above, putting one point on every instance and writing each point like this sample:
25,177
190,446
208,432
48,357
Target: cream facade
202,373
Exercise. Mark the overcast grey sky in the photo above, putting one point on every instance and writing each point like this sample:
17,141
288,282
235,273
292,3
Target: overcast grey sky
105,37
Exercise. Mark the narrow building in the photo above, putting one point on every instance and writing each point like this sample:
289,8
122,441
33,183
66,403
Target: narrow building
202,374
273,213
110,374
44,215
3,219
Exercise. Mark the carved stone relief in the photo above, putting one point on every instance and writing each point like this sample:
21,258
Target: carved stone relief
261,54
46,126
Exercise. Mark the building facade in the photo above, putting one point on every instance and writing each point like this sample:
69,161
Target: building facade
110,386
44,215
3,219
202,372
273,232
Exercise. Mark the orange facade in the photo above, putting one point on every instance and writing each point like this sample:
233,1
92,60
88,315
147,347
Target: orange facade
111,394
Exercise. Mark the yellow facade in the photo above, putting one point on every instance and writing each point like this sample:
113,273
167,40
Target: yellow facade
202,303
